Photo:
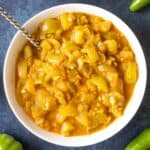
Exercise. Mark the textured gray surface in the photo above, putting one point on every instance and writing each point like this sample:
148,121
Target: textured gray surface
23,10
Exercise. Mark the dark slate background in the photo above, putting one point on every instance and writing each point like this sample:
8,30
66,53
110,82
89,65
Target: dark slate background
22,10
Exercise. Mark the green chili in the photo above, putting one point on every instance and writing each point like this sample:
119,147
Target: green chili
141,142
138,4
7,142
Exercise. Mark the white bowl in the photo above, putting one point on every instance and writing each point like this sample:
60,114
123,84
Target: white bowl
9,77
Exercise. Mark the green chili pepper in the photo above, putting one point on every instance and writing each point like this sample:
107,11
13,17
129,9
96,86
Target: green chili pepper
7,142
138,4
141,142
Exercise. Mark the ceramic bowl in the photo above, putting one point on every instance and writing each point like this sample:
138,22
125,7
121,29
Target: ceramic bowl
9,77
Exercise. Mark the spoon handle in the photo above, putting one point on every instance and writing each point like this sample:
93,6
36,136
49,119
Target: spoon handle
13,22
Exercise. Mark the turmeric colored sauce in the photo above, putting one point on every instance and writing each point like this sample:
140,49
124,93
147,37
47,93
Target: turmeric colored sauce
81,79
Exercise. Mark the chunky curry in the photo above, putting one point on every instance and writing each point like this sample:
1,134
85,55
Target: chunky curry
81,79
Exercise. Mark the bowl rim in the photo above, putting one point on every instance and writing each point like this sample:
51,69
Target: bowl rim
94,140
